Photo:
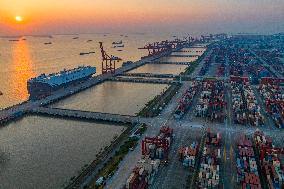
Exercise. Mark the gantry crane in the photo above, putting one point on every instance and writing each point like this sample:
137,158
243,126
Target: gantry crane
108,62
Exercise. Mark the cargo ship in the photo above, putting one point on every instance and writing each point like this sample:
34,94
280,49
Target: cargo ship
43,85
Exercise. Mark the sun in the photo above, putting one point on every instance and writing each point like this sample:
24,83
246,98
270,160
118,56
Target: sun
18,18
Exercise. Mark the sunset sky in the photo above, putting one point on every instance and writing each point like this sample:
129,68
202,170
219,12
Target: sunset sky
194,16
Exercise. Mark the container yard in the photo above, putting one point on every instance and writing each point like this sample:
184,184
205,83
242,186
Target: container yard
272,57
248,176
245,107
155,152
187,99
271,165
215,67
211,102
204,69
272,93
209,171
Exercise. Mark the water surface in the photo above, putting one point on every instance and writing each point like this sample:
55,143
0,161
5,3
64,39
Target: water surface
113,97
40,152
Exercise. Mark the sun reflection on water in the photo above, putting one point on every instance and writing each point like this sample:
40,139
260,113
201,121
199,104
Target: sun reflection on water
23,69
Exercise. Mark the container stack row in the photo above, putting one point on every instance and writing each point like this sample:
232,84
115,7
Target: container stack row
158,147
143,174
206,64
257,71
154,153
220,60
237,61
248,176
211,103
238,104
271,165
245,106
186,100
187,155
272,58
209,172
272,93
212,138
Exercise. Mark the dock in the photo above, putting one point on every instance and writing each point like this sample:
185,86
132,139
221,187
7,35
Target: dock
181,55
79,114
142,80
149,75
176,63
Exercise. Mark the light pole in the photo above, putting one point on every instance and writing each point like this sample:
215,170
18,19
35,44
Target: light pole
179,75
138,114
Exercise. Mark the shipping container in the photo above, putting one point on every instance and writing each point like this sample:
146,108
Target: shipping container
211,102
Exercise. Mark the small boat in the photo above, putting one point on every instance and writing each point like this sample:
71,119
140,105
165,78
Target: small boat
75,37
89,40
92,52
24,39
118,46
83,53
48,43
117,42
126,36
119,50
127,63
1,93
14,40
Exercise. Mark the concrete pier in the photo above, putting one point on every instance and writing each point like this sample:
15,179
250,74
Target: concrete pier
79,114
181,55
177,63
142,80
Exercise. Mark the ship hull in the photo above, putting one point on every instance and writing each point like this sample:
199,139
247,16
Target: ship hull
39,90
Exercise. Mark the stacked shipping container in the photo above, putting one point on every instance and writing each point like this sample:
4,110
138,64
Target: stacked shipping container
186,100
188,155
248,175
154,152
209,172
271,166
211,103
272,92
245,107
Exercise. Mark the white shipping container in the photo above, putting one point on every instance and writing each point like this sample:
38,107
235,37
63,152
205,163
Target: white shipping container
219,153
207,175
129,180
141,170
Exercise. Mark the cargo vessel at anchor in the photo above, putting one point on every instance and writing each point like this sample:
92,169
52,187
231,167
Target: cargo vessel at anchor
43,85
